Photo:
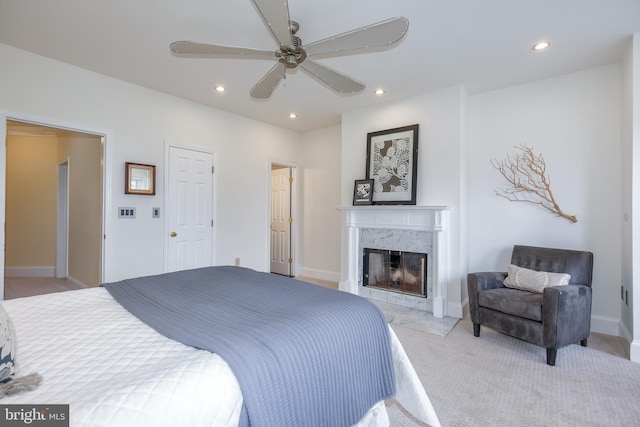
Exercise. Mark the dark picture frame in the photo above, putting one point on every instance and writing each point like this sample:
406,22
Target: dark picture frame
392,162
362,192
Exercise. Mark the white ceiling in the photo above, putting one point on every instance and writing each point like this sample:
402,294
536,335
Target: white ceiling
480,44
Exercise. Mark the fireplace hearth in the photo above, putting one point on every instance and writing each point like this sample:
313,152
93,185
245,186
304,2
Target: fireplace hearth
397,271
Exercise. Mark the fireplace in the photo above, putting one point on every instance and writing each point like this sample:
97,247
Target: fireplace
395,229
396,271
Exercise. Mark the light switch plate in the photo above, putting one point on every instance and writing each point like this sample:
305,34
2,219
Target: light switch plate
126,212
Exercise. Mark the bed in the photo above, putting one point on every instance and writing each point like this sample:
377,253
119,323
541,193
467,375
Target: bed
112,368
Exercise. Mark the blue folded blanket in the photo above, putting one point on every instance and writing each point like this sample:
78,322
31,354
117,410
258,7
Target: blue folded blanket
303,355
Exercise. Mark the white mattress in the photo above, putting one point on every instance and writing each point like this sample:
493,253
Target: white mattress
112,369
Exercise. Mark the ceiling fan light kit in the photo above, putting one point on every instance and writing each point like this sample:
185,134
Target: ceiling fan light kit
291,53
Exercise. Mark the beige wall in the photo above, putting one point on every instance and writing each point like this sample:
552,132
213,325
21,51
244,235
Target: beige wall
84,155
31,201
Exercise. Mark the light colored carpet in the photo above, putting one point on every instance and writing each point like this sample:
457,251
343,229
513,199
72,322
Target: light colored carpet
400,417
496,380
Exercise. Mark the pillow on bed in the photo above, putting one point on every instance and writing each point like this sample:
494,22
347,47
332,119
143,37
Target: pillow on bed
7,346
532,280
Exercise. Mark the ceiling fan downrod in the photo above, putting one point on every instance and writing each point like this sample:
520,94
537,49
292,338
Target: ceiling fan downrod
293,55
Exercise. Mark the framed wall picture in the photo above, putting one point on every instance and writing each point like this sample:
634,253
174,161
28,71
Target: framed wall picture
362,192
139,179
392,163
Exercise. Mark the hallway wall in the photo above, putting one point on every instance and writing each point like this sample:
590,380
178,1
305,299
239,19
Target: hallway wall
31,204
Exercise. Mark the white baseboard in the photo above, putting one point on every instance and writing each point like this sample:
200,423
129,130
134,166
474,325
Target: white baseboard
455,310
605,325
458,310
30,271
76,282
634,351
624,333
313,273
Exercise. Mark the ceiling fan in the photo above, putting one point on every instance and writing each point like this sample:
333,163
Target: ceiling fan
291,53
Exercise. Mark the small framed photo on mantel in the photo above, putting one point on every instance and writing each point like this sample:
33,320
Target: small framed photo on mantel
362,192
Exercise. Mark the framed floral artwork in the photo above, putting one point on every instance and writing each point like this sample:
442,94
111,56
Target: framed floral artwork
392,163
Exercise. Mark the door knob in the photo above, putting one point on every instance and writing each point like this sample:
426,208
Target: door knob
173,234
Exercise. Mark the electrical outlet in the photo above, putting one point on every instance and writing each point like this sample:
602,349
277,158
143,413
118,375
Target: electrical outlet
237,261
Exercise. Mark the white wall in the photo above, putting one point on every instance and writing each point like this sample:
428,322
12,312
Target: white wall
138,123
631,195
627,172
320,228
574,122
441,116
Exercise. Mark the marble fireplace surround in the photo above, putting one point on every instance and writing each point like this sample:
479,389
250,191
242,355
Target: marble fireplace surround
422,229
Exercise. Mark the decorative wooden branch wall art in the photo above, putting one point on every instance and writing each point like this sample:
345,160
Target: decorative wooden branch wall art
527,174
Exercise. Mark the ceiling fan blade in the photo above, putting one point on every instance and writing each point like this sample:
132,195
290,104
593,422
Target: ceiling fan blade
372,36
268,83
338,82
190,48
275,15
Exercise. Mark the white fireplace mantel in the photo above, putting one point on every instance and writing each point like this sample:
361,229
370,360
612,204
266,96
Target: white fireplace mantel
431,219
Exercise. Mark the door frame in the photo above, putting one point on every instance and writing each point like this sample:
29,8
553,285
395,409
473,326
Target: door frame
105,136
214,206
295,214
62,221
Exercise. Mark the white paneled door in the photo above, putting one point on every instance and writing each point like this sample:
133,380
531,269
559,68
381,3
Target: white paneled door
189,209
281,221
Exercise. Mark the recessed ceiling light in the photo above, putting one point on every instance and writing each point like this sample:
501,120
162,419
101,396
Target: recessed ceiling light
379,92
541,45
220,88
292,116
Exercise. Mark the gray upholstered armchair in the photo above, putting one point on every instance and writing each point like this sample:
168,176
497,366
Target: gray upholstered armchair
558,316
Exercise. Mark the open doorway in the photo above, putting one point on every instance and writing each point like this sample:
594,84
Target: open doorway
53,206
281,220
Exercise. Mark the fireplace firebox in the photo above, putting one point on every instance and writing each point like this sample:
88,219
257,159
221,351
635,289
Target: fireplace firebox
397,271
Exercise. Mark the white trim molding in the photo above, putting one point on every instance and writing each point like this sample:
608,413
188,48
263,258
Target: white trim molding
48,271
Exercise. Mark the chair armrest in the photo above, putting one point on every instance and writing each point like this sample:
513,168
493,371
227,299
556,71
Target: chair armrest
478,282
485,280
566,314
